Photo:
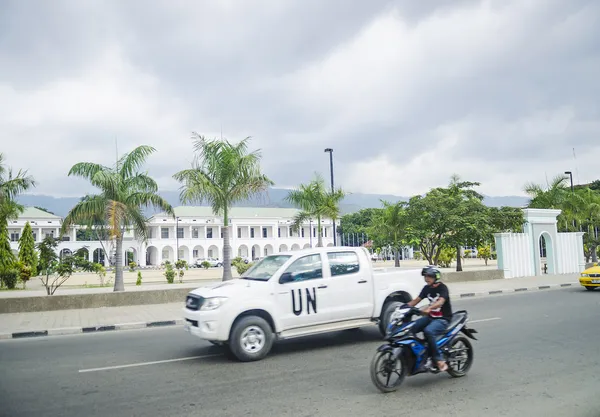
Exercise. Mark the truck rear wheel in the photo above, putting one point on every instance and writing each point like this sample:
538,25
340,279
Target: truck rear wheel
251,339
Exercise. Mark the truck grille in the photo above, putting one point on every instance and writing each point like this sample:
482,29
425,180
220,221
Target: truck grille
194,302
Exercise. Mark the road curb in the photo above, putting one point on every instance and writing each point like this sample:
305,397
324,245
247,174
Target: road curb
90,329
514,290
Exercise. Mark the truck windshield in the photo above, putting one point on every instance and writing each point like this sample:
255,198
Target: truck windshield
264,269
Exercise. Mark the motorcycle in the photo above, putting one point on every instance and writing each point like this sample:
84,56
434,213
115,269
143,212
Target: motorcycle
406,354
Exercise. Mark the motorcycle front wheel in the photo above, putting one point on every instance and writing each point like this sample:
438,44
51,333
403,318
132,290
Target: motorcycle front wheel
387,373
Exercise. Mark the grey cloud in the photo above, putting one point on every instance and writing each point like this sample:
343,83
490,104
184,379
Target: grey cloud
232,68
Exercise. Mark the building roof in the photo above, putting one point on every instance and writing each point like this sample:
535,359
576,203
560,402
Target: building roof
236,212
35,213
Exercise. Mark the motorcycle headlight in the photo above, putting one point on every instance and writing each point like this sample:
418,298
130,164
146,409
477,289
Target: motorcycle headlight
213,303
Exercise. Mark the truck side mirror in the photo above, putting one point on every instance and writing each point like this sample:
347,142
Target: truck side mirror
286,277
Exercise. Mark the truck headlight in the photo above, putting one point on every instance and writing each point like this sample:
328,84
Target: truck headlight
213,303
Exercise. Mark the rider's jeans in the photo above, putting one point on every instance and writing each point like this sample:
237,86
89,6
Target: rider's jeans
433,328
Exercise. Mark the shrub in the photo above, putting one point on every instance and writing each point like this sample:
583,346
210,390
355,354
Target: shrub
9,278
205,264
25,272
242,267
447,255
139,278
132,266
169,273
485,253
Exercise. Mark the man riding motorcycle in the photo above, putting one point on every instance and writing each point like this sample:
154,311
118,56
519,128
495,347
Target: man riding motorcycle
437,314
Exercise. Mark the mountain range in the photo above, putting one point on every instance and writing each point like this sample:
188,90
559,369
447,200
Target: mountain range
275,198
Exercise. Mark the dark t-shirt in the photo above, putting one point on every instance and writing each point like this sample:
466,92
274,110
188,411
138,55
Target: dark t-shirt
433,293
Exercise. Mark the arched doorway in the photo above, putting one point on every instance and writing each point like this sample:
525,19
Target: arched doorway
255,252
243,251
152,256
168,254
268,250
98,256
131,256
64,252
546,252
213,252
283,248
184,253
295,246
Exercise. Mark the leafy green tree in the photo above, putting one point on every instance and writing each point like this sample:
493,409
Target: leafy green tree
7,258
222,174
428,223
389,227
468,218
27,253
55,271
315,201
124,192
358,222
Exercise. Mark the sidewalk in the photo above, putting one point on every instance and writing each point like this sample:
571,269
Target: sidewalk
130,317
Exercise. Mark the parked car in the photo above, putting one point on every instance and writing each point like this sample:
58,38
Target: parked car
294,294
590,278
212,261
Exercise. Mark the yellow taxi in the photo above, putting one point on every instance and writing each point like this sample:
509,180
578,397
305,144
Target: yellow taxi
590,278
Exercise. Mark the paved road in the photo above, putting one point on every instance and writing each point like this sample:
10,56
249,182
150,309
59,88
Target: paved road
539,359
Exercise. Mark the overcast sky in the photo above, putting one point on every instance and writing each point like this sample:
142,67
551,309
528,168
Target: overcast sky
405,92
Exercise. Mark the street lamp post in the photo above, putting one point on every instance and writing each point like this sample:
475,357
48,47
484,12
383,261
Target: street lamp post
570,174
310,232
330,150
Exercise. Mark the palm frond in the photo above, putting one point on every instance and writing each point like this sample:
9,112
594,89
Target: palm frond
88,211
131,162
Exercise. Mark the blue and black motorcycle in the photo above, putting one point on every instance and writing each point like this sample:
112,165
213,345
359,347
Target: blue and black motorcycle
406,354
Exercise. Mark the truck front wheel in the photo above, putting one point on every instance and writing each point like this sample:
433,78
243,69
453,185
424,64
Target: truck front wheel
251,339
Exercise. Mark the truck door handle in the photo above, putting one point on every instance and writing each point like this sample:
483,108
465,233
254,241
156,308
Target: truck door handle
322,286
362,281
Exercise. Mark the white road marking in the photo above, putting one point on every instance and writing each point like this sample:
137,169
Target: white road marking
131,365
482,320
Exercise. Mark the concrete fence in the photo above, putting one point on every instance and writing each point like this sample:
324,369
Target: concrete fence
95,300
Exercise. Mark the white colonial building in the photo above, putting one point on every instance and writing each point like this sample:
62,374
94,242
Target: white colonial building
194,233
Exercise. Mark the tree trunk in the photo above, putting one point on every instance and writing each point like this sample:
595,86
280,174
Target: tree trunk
594,253
119,284
458,260
227,275
319,238
397,258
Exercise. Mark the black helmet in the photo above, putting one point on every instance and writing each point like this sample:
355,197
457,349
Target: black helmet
431,271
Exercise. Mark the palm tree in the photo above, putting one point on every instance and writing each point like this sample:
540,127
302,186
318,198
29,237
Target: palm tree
11,186
222,174
315,201
389,226
124,191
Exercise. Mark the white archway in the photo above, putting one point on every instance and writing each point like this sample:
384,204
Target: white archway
295,246
243,251
306,245
213,252
167,254
283,248
152,256
63,253
268,250
546,251
329,245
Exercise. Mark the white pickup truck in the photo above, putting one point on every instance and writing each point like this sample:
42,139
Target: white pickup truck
294,294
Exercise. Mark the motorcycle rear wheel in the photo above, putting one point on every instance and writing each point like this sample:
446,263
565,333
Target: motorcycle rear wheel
382,364
460,357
